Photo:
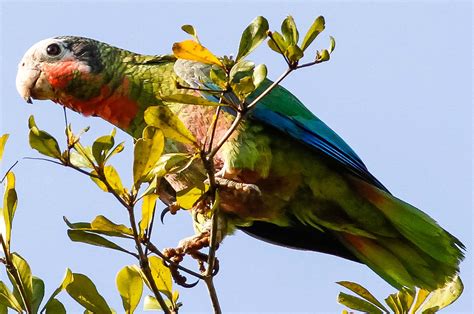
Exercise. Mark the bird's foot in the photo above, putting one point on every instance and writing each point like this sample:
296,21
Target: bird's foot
240,188
191,246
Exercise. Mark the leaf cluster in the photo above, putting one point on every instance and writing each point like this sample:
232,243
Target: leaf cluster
404,301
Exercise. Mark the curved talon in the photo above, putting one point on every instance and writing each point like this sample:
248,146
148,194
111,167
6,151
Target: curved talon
189,285
163,213
216,268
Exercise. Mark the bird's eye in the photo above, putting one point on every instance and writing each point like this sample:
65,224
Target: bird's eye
53,50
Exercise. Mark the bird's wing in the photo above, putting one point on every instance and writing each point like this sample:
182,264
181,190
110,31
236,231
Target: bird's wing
283,111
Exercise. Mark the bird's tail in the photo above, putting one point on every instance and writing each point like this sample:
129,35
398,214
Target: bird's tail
424,255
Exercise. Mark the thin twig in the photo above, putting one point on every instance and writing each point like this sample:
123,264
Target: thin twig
214,127
15,274
269,89
270,34
226,136
206,90
213,294
8,171
308,64
144,264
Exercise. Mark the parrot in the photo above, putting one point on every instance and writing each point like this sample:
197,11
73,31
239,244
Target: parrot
284,176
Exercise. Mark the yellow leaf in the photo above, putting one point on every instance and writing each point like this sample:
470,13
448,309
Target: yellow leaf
191,50
162,276
188,197
3,140
130,286
163,118
147,151
148,208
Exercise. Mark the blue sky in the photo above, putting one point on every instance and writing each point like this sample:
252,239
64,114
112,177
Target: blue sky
398,90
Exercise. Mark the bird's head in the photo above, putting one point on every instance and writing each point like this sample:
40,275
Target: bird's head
71,71
48,68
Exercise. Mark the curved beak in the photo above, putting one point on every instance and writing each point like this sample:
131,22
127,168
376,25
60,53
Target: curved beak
26,78
31,82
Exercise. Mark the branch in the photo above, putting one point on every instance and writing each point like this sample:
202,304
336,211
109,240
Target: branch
143,259
16,276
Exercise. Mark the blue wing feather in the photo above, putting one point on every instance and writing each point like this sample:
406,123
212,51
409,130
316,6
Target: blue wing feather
283,111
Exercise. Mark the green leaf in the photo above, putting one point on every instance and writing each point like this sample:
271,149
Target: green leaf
118,149
358,304
394,304
259,74
252,36
362,292
7,298
277,43
172,163
332,44
101,227
218,77
102,146
83,290
186,198
26,279
93,239
130,286
322,55
147,151
294,53
316,28
162,117
112,177
38,293
189,100
3,141
241,70
79,160
194,51
442,297
86,153
101,223
3,309
162,276
405,298
189,29
42,141
289,31
148,210
55,307
10,202
68,277
241,78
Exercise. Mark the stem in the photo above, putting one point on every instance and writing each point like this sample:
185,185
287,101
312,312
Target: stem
214,127
213,294
269,89
9,169
143,259
226,136
16,276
